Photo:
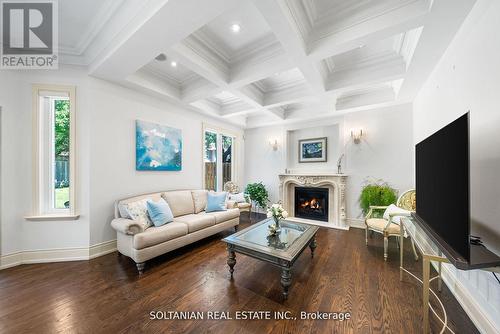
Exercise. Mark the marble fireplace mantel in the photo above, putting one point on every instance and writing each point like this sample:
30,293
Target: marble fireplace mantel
336,184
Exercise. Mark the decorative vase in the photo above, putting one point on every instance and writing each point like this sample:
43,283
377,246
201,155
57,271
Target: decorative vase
277,223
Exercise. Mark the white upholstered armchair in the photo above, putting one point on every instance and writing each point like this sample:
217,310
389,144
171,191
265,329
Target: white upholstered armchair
389,225
232,189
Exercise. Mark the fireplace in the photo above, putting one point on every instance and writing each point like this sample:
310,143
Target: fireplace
311,203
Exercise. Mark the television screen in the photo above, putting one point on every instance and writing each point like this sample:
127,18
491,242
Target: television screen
442,184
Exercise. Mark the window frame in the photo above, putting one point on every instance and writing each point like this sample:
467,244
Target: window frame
42,154
234,155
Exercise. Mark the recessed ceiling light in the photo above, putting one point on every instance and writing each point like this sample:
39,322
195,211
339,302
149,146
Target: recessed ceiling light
161,57
173,64
235,28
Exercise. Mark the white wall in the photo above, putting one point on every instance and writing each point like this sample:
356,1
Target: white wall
114,111
105,129
331,132
468,78
386,151
261,162
16,160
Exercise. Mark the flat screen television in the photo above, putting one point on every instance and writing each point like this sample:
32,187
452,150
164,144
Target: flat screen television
442,185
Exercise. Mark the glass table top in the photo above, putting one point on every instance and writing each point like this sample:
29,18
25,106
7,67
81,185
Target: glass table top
259,235
286,244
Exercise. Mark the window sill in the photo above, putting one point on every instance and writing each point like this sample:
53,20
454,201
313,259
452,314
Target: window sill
53,217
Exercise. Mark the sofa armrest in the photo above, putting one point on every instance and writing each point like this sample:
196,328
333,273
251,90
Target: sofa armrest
127,226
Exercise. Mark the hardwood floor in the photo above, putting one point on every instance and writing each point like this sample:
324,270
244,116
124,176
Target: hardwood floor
105,295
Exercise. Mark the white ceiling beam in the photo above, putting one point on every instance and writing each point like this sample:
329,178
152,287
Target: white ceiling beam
245,74
365,99
198,65
381,27
275,14
298,93
199,90
155,84
351,79
151,37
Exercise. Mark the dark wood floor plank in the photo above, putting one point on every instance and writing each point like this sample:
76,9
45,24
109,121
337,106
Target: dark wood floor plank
105,295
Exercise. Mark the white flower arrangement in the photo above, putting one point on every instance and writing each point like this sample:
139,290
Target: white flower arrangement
277,212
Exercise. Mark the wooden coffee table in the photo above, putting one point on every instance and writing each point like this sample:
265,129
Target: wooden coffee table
281,250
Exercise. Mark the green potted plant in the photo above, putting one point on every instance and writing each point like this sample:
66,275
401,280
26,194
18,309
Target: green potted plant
376,192
257,193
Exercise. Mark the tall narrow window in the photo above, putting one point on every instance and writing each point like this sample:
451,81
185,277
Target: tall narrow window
219,158
227,154
210,160
53,133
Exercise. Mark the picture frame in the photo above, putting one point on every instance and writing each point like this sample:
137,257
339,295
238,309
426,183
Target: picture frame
158,147
313,150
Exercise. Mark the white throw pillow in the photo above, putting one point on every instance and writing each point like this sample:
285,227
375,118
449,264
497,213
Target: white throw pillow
238,198
122,209
392,209
138,211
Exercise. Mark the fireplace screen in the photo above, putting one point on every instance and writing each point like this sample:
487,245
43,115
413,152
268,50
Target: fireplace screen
311,203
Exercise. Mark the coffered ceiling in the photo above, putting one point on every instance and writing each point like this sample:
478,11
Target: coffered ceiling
261,62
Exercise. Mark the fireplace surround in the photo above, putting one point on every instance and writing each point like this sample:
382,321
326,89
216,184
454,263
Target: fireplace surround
334,183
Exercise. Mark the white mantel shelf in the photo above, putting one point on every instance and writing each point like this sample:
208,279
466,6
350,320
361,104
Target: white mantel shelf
336,184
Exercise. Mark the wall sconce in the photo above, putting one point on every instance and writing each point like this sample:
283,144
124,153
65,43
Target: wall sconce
356,135
274,144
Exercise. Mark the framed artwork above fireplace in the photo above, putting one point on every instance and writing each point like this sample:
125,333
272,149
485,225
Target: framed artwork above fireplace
313,150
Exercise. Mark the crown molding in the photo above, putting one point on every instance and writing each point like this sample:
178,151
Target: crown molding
204,53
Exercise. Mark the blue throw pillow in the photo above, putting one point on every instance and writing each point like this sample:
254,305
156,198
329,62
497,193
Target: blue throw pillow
160,212
216,202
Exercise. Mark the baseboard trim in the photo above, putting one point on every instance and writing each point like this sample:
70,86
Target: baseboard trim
470,305
356,223
102,249
57,255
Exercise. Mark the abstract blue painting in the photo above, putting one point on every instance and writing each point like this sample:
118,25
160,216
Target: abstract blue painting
158,147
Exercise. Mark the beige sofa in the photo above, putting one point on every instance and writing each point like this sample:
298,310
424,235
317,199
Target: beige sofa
191,223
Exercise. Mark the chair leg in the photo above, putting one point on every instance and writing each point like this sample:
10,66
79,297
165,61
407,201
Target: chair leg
366,235
386,244
414,250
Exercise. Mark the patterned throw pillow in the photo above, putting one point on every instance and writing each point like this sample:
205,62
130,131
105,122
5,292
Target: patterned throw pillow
139,211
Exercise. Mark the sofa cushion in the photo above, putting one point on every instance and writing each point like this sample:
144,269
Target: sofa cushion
159,212
199,200
222,216
216,201
180,202
196,222
138,211
156,235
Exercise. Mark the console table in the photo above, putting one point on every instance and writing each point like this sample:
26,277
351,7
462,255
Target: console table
434,248
430,252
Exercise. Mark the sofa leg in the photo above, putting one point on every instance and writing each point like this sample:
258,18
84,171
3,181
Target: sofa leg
140,267
235,228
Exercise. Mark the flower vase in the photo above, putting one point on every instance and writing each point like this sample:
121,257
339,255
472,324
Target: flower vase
277,223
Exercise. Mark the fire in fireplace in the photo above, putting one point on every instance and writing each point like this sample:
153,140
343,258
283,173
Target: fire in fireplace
311,203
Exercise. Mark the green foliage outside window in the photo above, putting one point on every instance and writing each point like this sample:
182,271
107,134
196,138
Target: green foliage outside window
61,128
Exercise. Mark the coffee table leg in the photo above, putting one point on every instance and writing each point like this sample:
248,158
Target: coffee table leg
231,260
313,245
286,280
